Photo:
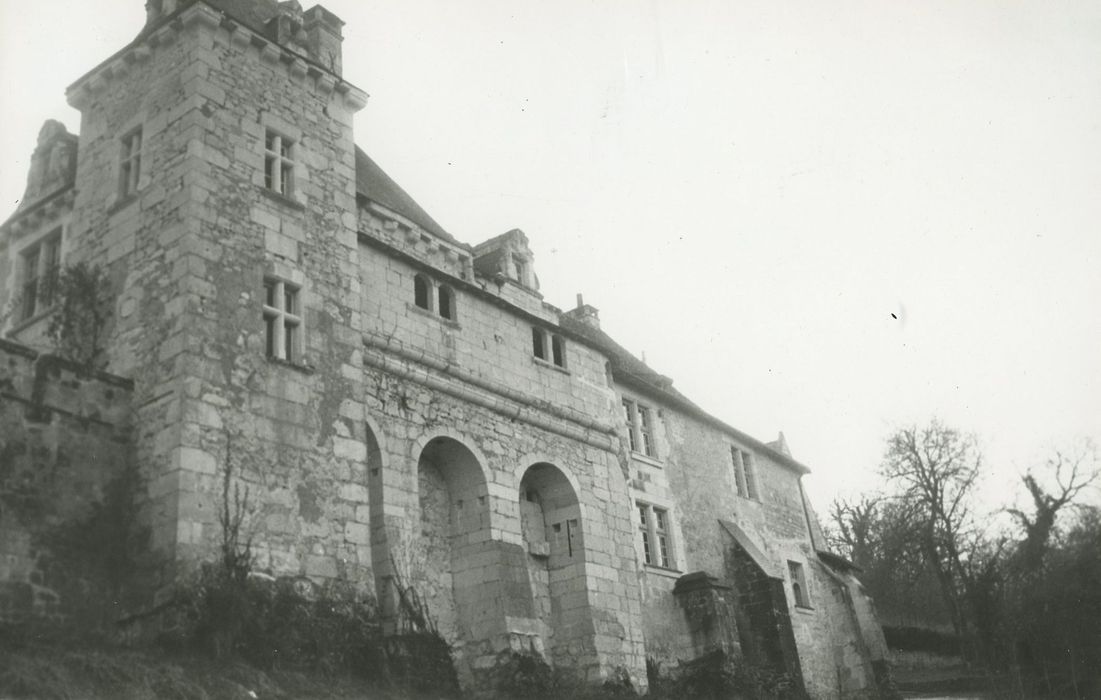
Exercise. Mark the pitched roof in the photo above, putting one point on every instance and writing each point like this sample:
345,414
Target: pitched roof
374,184
635,373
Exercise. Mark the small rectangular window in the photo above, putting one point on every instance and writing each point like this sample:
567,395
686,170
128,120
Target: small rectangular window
41,265
798,584
745,474
558,351
629,419
282,320
130,163
538,343
654,526
640,428
750,476
645,431
279,152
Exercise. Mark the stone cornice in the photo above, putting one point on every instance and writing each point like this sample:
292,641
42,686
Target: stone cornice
51,206
202,15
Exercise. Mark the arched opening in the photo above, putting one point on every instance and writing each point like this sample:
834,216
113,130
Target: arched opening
550,520
454,527
447,302
422,292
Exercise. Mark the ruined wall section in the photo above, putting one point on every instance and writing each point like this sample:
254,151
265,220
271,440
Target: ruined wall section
66,468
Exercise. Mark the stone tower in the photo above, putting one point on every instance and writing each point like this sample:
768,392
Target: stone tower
225,129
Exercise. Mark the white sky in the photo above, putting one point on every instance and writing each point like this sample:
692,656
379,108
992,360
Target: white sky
747,190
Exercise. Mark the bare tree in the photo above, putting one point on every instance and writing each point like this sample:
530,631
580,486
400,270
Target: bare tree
854,528
1064,476
934,469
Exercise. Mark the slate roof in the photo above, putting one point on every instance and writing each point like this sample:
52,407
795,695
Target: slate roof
634,372
374,184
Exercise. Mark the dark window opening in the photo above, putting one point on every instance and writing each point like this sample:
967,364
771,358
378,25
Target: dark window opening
538,344
421,292
558,351
447,305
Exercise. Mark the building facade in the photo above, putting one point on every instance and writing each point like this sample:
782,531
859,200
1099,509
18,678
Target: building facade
403,410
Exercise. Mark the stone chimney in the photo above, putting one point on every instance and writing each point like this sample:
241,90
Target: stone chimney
588,315
324,38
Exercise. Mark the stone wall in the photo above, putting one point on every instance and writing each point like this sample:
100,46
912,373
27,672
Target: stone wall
66,479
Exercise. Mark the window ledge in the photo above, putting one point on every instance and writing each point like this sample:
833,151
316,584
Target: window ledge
283,199
302,368
646,459
662,571
27,323
549,365
804,609
432,314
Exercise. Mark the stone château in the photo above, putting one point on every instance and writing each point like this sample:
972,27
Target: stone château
403,410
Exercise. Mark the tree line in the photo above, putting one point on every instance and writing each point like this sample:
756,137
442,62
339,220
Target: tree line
1023,600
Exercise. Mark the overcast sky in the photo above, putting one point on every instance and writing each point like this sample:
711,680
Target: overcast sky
826,218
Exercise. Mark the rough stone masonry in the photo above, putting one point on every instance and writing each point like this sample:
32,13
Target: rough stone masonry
399,406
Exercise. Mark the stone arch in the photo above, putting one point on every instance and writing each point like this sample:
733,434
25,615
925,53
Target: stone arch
554,538
452,530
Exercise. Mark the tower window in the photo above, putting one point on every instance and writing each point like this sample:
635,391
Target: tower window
130,163
283,320
279,163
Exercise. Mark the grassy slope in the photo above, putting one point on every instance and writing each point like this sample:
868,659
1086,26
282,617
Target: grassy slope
50,672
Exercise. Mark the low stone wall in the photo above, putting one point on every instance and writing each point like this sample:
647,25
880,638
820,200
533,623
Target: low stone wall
65,490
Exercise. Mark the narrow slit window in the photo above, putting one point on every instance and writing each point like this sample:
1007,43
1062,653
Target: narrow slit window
629,419
645,431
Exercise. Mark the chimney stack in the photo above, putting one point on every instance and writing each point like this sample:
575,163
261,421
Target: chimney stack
324,38
588,315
